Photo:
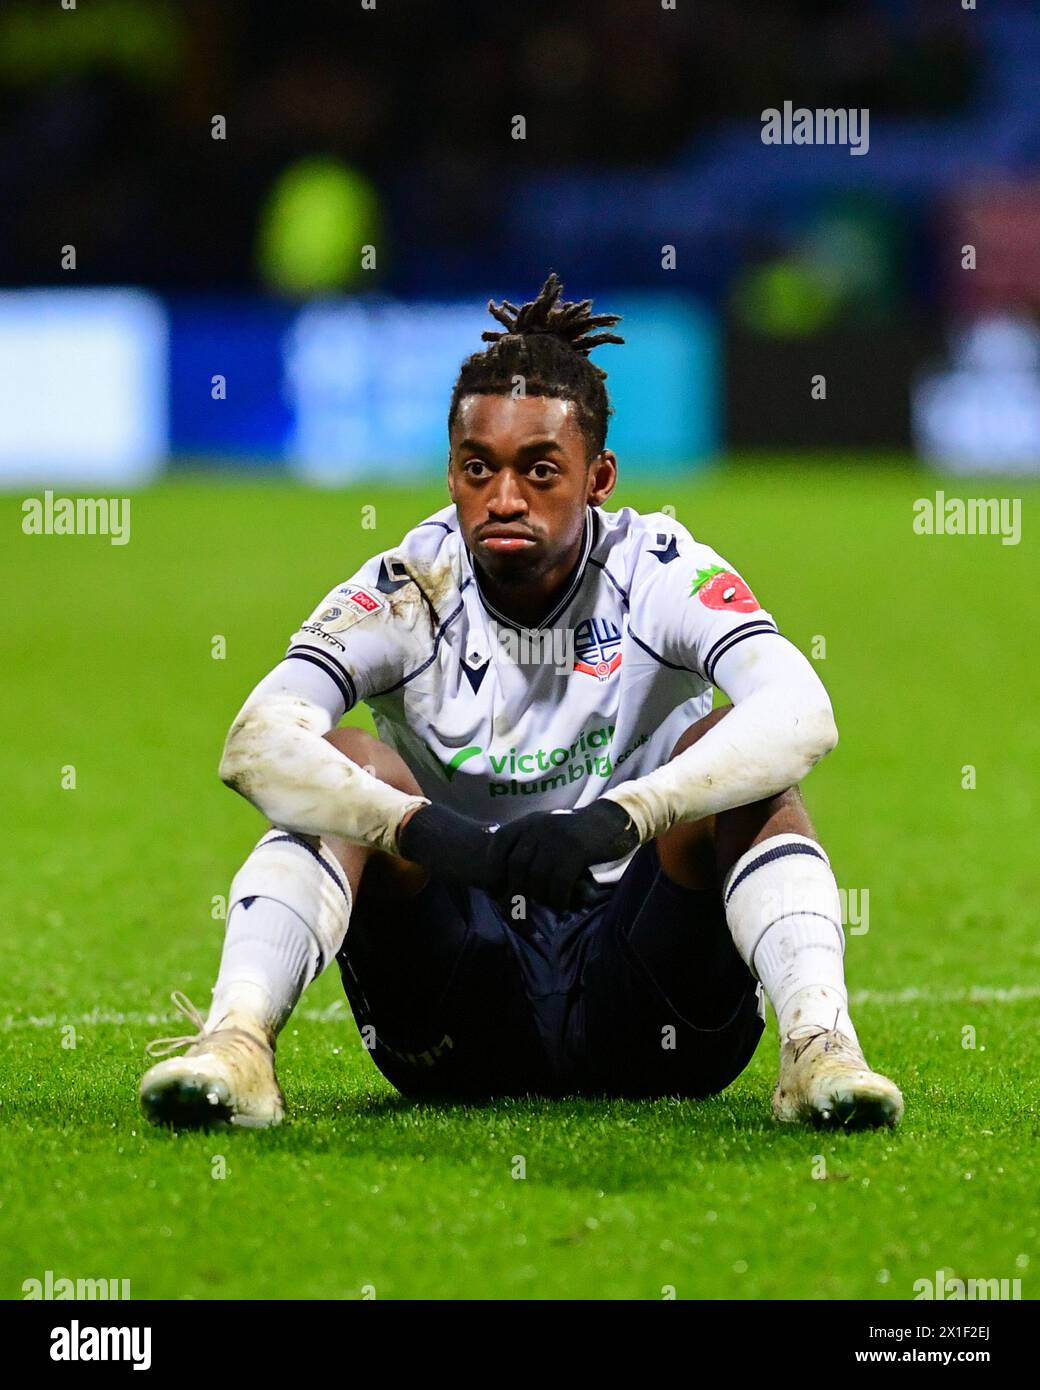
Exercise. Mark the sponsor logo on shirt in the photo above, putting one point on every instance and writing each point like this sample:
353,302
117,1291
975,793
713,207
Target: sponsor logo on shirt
590,755
462,756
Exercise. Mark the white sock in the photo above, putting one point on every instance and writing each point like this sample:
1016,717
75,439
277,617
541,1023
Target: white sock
288,911
783,909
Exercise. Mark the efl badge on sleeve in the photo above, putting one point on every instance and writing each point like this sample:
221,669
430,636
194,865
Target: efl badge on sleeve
347,606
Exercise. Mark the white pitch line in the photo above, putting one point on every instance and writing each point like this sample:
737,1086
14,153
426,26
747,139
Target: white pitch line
975,994
337,1011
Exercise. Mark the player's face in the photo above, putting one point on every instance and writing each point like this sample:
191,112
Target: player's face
520,478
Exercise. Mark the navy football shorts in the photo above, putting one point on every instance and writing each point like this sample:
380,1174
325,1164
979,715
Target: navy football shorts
642,994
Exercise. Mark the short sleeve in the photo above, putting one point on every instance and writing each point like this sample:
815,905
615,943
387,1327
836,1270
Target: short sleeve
364,639
691,607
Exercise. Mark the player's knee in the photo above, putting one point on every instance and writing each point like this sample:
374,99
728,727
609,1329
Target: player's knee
687,853
689,736
376,757
741,827
356,744
386,876
730,832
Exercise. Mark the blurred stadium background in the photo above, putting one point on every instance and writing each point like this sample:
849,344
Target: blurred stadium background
189,190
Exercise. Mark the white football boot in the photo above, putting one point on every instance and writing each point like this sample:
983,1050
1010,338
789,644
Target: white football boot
825,1080
226,1075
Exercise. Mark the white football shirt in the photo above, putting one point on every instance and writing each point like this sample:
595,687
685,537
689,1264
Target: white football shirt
495,720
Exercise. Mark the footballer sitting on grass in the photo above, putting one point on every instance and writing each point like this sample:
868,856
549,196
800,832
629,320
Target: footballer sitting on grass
540,878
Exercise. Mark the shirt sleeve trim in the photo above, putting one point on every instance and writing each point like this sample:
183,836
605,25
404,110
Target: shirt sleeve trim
760,627
335,672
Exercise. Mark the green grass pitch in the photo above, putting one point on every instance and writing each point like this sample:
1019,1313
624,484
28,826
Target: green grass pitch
107,904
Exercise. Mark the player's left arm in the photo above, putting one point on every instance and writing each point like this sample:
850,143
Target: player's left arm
700,616
781,723
780,726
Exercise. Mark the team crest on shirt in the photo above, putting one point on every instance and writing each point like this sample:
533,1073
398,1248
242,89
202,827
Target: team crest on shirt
596,644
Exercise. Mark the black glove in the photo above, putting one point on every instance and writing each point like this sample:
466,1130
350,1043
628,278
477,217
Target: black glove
546,857
449,845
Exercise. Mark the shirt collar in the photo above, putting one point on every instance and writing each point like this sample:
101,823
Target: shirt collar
589,536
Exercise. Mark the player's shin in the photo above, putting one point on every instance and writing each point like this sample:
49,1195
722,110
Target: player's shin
288,911
783,909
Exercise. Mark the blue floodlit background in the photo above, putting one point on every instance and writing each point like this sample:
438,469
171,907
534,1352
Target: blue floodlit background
296,294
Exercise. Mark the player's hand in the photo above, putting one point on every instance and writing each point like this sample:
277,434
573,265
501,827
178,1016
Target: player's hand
546,856
449,845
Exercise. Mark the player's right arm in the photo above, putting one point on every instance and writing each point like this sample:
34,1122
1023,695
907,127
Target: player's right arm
276,754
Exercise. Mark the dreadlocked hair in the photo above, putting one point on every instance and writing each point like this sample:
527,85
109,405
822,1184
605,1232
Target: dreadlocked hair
547,343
